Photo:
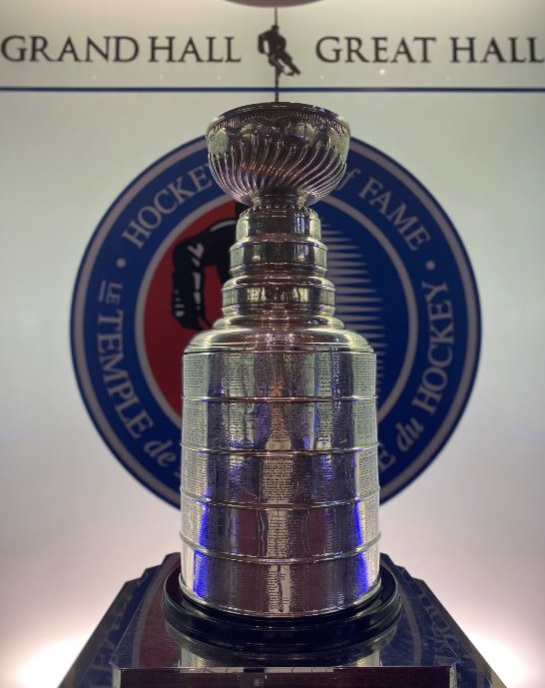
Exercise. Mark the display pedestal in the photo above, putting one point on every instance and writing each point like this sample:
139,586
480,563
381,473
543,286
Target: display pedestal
134,646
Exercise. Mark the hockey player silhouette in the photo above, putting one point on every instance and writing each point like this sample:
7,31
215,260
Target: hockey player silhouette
190,257
273,44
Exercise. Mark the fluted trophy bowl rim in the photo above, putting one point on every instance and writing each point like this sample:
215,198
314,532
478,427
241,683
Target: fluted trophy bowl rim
280,153
278,106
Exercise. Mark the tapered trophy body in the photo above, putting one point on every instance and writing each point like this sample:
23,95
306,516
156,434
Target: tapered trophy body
280,485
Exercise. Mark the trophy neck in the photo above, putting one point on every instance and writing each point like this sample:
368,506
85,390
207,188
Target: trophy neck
278,220
278,265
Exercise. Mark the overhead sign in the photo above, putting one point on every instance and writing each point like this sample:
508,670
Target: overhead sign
321,45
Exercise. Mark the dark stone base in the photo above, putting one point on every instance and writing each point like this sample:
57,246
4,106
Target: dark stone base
135,646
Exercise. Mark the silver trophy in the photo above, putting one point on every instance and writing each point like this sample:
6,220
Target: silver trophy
280,487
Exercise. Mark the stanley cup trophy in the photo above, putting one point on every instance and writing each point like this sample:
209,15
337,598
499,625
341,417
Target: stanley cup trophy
280,487
280,579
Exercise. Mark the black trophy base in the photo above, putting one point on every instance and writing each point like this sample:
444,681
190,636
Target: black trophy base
280,640
153,636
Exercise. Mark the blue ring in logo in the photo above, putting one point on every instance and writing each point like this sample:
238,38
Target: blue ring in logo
403,280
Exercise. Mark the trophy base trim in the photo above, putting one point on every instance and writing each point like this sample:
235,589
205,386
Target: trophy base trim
365,622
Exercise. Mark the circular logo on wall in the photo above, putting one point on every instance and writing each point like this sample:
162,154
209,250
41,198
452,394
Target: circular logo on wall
151,279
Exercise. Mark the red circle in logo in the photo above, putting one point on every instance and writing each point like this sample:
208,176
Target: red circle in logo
165,334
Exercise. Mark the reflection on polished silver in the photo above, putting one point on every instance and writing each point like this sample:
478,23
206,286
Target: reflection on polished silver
279,445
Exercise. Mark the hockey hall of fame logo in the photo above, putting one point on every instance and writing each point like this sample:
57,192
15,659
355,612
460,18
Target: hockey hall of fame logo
151,278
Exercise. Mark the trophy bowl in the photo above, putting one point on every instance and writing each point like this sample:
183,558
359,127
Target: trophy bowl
278,153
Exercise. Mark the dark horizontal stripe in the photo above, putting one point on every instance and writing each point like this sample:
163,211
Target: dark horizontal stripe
271,89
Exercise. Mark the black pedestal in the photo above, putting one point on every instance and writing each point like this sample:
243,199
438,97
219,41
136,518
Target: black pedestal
135,646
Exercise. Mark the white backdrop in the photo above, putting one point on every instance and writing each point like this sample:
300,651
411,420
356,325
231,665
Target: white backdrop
75,524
